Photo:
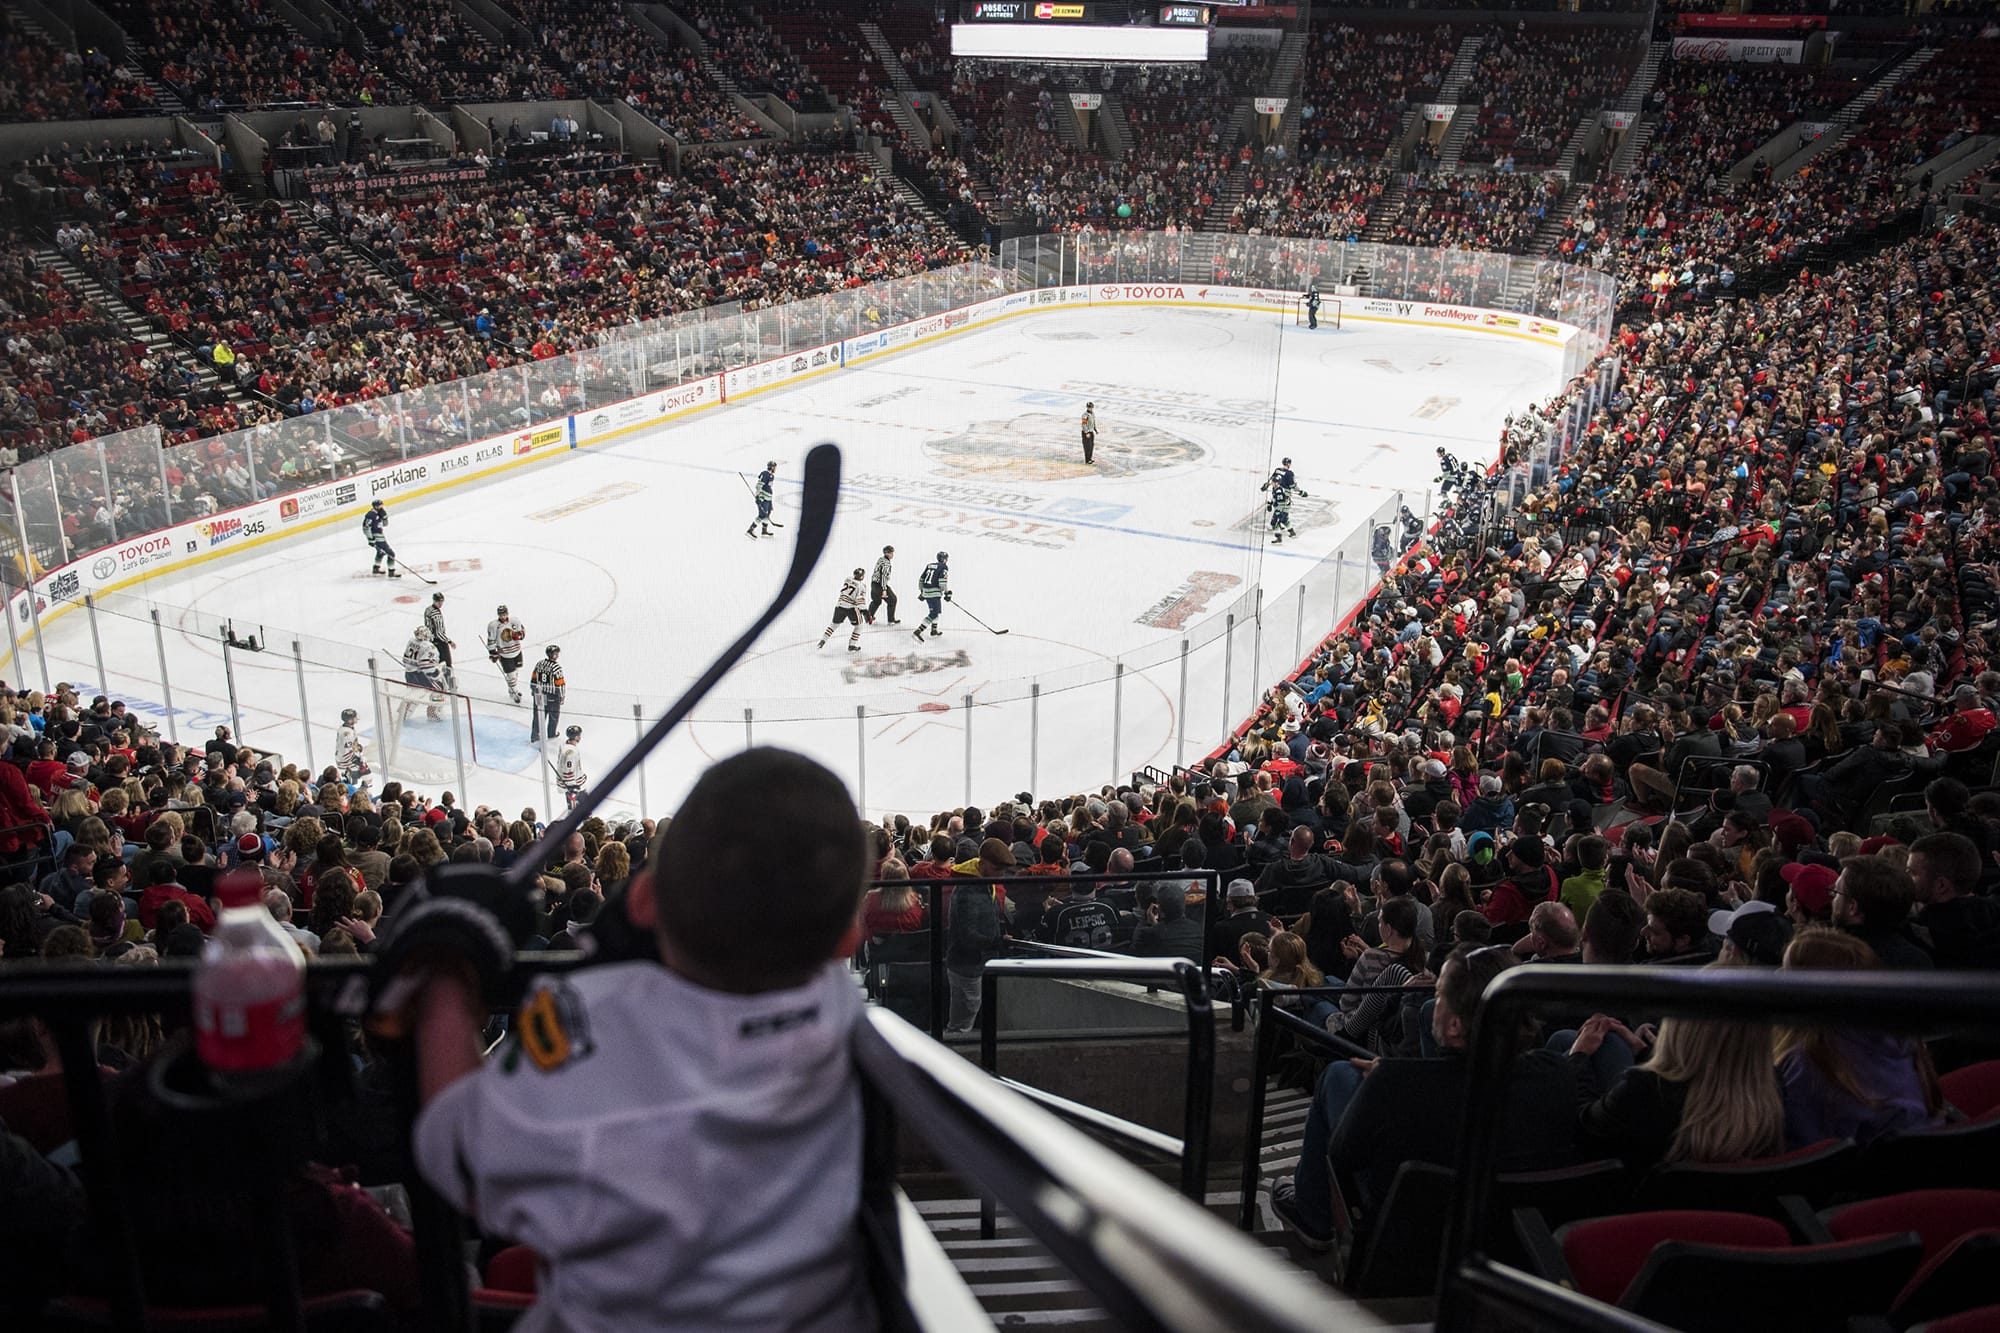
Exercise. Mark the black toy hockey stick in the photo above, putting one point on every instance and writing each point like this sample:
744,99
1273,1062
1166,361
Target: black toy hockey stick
753,495
822,492
982,624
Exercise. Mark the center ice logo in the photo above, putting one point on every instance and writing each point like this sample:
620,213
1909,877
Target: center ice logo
1041,446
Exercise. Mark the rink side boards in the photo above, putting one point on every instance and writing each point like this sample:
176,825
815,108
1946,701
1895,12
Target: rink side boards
111,569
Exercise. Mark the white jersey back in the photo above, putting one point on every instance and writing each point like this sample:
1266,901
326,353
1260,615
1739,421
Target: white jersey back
852,593
346,746
420,655
624,1104
569,765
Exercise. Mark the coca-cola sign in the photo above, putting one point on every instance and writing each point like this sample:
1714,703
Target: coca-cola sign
1738,48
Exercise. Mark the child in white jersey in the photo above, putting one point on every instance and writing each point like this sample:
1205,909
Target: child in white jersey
680,1141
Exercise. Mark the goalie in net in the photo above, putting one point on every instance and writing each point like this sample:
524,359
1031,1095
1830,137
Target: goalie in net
1316,311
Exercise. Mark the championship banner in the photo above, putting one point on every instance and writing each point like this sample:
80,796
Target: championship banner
1744,49
1749,22
340,182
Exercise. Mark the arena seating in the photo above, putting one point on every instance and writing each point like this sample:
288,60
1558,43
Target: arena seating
40,81
1770,551
1534,84
753,56
441,57
1361,80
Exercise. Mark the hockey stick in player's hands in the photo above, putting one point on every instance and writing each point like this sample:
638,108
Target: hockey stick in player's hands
753,495
821,492
977,621
418,577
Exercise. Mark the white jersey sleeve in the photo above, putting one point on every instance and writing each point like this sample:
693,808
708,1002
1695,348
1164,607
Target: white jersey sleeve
347,746
852,593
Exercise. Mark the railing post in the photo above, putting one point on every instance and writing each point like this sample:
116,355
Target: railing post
968,749
458,750
989,1060
1253,1131
934,891
305,709
96,644
1228,664
1180,713
1034,736
375,703
1299,630
1257,647
861,757
638,734
748,741
229,681
1117,716
35,622
1195,1114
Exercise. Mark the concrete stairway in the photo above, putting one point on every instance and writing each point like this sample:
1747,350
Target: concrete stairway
1288,82
1841,128
914,130
136,326
1114,126
1452,150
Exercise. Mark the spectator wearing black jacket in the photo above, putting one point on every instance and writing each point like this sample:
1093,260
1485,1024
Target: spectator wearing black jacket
1961,928
1872,901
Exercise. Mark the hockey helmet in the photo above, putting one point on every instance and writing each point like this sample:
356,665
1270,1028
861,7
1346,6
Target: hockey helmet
941,555
437,597
500,610
1284,462
375,505
349,715
859,573
574,733
553,649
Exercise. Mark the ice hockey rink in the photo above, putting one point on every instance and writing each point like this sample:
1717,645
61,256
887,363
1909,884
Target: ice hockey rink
632,556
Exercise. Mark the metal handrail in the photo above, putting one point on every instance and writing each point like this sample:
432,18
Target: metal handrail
1271,1020
1198,1105
1903,1000
1155,1263
931,889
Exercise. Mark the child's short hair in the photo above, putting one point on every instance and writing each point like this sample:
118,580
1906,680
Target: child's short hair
760,875
1593,852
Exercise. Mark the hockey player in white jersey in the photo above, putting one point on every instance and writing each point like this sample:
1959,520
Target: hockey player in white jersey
422,670
569,766
504,637
349,754
849,609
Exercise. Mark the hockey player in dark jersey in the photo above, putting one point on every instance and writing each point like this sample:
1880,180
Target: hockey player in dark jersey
765,481
375,527
935,588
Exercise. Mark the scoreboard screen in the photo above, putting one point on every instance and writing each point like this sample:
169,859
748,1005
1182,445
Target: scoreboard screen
1096,31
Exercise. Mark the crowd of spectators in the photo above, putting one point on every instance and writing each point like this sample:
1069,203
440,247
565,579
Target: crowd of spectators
1322,196
1474,210
753,56
1359,82
41,81
604,52
441,57
225,55
1536,84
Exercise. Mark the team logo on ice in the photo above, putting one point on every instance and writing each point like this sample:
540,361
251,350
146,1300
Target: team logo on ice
1042,446
1189,600
904,664
1308,512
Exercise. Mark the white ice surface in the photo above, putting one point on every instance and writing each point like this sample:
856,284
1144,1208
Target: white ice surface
633,557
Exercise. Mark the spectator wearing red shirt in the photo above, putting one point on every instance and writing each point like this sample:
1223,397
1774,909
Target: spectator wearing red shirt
892,909
165,889
939,865
1966,727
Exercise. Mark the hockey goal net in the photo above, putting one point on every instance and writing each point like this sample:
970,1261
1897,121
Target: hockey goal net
417,743
1329,311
